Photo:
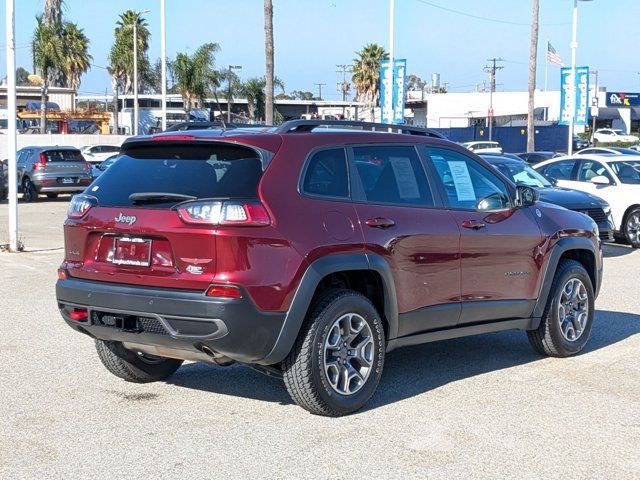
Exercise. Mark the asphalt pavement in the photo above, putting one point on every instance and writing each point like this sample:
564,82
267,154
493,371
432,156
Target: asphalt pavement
478,407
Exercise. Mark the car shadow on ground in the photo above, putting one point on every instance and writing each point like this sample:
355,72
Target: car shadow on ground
611,250
412,371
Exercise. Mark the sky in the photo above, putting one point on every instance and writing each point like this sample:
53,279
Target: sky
451,37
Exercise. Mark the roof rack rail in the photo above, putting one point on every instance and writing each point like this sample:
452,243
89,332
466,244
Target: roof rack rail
306,126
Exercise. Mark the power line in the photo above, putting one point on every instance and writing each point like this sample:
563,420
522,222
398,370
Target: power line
487,19
491,70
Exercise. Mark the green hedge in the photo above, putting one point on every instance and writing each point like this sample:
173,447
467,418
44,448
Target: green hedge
616,144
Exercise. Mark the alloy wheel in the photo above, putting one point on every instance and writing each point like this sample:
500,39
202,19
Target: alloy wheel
348,354
633,228
573,309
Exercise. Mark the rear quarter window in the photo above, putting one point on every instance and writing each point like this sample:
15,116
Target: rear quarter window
326,174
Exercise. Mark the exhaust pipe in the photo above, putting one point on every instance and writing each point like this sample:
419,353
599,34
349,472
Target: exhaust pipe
218,359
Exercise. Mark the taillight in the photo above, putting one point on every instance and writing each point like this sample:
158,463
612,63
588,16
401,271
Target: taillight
41,164
224,213
225,291
88,166
80,205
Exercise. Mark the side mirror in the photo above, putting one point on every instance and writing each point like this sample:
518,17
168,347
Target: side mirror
553,181
526,196
600,180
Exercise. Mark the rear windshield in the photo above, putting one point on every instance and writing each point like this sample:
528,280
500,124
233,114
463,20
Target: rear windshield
63,156
200,171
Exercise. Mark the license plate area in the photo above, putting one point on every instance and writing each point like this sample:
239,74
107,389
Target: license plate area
67,180
132,251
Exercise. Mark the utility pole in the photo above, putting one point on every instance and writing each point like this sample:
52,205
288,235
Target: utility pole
163,62
319,85
345,86
491,70
12,113
229,92
594,103
533,58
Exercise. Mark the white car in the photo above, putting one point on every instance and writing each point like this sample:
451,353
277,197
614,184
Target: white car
612,150
613,135
99,153
483,147
614,178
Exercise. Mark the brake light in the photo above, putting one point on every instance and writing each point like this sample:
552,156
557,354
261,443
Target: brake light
251,214
80,205
62,274
173,137
88,166
225,291
41,164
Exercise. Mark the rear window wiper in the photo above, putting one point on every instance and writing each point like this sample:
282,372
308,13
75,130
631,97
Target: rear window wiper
149,197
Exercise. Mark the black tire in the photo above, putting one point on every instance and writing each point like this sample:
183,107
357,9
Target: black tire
303,370
52,195
3,193
548,338
632,228
134,367
29,192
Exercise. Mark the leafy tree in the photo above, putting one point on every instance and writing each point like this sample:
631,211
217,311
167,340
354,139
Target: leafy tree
195,76
22,76
47,52
415,83
366,74
300,95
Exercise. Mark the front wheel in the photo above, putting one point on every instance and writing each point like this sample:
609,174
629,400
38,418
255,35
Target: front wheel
632,228
336,363
136,367
568,316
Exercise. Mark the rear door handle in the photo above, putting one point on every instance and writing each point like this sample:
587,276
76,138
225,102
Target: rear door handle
380,222
473,224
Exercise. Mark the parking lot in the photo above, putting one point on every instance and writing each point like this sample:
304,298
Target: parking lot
479,407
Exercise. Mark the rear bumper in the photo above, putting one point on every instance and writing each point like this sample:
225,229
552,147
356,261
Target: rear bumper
67,189
178,320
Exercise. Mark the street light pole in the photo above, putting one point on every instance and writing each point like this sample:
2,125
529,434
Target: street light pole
231,69
135,76
572,96
163,61
136,113
392,5
12,119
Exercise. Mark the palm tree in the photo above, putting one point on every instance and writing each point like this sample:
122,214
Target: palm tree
195,75
53,13
121,56
47,52
268,30
76,58
366,75
254,90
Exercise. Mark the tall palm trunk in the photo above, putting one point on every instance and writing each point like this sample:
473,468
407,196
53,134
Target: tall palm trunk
533,54
268,30
116,121
43,107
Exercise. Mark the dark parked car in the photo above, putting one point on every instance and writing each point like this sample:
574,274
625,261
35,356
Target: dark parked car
579,143
309,256
4,182
591,205
51,170
537,157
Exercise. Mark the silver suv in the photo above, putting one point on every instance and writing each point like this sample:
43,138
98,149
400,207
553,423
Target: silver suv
51,170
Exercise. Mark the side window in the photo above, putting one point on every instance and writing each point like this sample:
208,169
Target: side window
590,169
326,174
559,170
467,184
26,155
392,175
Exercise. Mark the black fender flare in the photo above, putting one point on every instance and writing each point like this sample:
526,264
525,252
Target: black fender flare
315,272
562,246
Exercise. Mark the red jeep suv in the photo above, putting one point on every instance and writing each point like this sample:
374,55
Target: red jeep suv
312,249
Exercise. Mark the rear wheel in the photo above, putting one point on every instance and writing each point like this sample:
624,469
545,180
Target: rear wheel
336,363
632,228
29,192
568,316
133,366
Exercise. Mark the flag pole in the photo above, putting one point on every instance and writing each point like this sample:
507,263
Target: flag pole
546,66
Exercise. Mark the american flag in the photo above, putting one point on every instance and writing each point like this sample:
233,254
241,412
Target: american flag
553,56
